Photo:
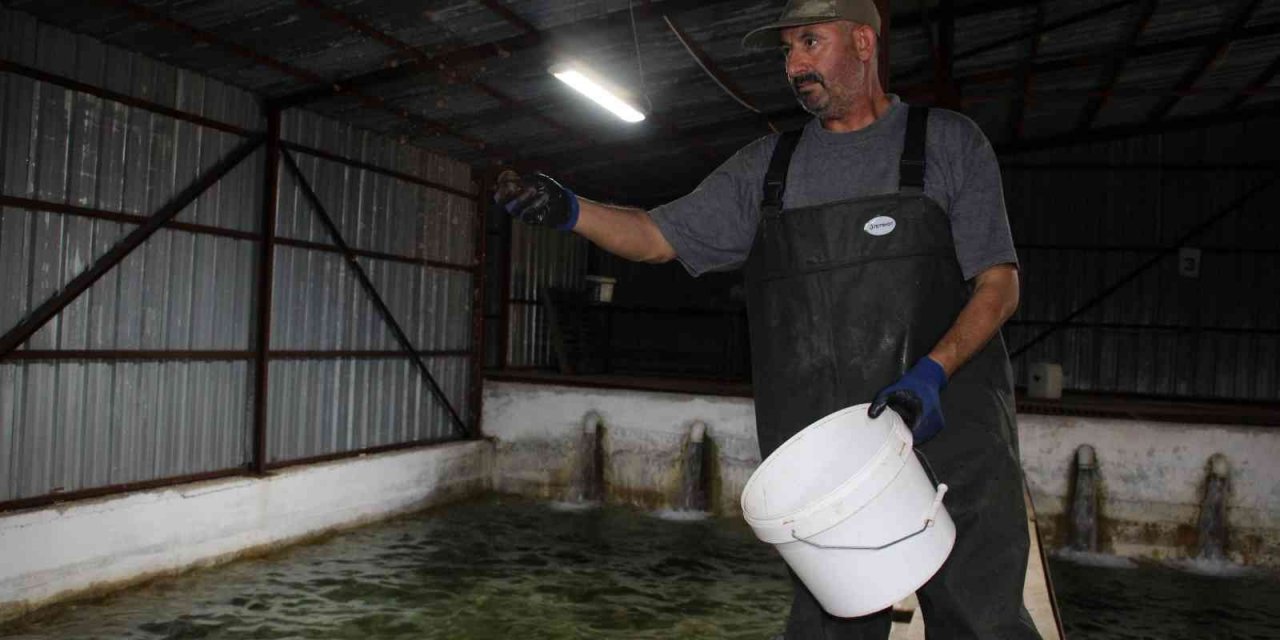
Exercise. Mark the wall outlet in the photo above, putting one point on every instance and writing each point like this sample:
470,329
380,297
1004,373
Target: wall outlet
1189,262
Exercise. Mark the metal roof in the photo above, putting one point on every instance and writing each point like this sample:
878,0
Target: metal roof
468,78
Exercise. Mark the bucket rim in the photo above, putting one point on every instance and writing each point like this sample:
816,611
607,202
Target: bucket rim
793,519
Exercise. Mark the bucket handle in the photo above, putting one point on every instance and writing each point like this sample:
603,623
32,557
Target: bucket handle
930,515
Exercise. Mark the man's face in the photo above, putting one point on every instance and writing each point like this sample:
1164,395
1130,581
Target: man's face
823,67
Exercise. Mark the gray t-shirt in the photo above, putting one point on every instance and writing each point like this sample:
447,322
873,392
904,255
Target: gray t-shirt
713,227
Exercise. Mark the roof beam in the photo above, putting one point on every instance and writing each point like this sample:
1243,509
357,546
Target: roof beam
426,124
1103,134
1100,57
1018,106
512,18
1215,49
1111,73
1255,87
744,127
527,40
480,52
1022,35
671,132
360,26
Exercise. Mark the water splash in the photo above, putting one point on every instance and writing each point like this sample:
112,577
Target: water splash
1094,559
1212,525
694,485
588,482
1084,502
1216,568
680,515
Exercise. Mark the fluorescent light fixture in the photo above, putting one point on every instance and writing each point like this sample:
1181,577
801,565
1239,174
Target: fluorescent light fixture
597,92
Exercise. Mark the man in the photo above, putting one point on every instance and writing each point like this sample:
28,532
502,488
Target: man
879,267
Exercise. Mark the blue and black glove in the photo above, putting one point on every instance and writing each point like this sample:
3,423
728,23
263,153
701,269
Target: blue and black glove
915,398
536,199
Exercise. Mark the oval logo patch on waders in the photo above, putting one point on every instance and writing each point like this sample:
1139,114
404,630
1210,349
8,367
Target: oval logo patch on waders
880,226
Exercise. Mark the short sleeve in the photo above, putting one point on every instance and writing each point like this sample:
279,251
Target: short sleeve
979,221
712,228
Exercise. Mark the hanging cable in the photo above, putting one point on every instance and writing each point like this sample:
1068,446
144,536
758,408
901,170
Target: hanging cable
635,37
713,75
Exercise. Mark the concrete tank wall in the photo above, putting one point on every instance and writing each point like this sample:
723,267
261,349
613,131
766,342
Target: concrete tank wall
537,427
1153,477
1152,473
94,546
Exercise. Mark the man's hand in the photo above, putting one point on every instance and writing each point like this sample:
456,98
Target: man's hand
915,397
537,200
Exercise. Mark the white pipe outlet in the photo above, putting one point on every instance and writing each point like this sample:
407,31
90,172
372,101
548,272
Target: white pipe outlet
592,422
697,432
1218,466
1086,457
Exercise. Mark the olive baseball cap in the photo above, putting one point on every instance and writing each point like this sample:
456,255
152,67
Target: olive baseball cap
802,12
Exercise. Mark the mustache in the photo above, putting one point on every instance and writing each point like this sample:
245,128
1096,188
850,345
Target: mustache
811,76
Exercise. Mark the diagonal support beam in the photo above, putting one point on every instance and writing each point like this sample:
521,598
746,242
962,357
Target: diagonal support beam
1111,73
1216,49
401,337
1257,85
1190,235
118,252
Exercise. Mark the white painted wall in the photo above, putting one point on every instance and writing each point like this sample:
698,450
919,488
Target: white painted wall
53,552
1152,472
537,429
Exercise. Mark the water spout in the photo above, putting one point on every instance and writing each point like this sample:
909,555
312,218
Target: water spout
1212,525
694,476
588,484
1084,502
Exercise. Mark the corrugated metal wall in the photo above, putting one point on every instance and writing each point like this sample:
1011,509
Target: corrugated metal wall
540,258
73,425
1080,230
328,406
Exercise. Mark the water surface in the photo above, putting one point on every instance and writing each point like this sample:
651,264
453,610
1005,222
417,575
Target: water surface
497,568
506,568
1145,601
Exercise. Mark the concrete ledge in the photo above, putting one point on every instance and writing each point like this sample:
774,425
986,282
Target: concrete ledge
538,426
1152,473
87,547
1152,480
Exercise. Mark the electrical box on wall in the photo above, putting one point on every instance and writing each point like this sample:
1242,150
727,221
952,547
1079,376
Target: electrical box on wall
1044,380
1189,262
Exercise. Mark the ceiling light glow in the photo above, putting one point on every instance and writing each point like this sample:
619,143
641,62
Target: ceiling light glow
602,96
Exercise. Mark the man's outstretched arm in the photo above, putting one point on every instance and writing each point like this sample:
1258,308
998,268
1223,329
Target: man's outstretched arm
625,232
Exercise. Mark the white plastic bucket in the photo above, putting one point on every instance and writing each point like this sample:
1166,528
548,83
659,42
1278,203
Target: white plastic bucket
852,511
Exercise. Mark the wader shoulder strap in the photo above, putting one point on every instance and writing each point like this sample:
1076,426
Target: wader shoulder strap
911,167
775,179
